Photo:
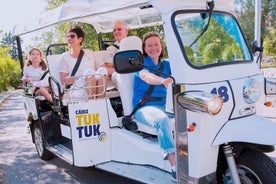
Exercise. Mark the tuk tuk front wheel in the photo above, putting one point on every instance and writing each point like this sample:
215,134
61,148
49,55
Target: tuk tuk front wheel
254,167
39,142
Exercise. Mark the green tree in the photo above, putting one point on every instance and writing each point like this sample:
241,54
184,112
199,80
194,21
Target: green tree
190,53
212,53
8,41
212,43
57,32
231,52
54,3
270,43
246,15
10,72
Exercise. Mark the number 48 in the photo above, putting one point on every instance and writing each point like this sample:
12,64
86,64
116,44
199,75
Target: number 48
221,91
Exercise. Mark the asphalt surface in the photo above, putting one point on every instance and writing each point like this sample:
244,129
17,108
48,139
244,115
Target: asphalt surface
3,96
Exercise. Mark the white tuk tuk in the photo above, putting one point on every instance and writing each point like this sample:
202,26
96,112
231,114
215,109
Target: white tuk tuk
219,136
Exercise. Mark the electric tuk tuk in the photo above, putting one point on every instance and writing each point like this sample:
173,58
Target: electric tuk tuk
219,135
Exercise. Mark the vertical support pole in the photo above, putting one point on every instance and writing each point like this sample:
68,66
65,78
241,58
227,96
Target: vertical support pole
229,155
258,21
20,54
100,41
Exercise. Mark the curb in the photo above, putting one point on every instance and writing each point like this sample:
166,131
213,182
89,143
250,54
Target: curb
5,95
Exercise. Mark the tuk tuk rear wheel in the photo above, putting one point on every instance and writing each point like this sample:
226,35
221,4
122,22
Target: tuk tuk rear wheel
39,142
254,167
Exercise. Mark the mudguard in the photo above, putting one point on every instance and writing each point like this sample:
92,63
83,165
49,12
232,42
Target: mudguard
251,129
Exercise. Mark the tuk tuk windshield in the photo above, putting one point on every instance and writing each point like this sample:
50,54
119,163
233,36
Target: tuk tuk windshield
210,42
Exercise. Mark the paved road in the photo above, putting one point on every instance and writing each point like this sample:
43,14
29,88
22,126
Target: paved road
19,162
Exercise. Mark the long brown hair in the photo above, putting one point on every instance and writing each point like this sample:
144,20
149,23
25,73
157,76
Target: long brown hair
42,63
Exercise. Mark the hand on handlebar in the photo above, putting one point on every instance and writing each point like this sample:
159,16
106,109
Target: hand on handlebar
166,82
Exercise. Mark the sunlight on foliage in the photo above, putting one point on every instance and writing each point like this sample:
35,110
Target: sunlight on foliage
10,71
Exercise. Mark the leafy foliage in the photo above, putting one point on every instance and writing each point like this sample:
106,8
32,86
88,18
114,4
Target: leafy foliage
190,53
10,71
246,15
270,43
8,41
218,49
54,3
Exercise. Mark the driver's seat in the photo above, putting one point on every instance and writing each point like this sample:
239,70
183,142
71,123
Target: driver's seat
125,82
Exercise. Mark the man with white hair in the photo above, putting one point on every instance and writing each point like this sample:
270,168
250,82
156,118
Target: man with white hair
120,31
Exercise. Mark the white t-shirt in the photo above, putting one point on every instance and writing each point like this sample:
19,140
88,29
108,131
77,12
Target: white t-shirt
35,74
111,51
89,61
89,65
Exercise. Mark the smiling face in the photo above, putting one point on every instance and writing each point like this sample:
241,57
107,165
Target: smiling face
120,30
75,37
73,40
153,48
35,56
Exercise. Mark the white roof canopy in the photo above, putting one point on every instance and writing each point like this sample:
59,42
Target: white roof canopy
102,13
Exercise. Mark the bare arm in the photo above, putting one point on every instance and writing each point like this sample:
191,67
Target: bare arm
154,79
110,68
27,79
66,79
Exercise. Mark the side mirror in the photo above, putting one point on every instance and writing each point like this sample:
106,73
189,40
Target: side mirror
255,47
128,61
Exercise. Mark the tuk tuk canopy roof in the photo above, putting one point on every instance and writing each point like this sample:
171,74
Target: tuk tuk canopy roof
102,13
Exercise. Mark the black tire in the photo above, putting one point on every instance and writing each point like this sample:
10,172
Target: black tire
254,167
39,142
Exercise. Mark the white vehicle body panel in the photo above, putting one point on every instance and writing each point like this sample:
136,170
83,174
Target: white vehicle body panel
30,107
90,132
247,129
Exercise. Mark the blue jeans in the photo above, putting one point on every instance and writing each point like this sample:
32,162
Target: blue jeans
156,117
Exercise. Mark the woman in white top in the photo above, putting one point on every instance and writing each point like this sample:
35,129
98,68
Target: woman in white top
33,72
90,66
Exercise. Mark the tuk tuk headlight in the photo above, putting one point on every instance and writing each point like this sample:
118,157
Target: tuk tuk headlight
199,101
214,105
251,91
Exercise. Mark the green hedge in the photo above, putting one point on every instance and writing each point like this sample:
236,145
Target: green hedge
10,72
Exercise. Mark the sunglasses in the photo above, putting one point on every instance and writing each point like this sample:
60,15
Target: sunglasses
72,36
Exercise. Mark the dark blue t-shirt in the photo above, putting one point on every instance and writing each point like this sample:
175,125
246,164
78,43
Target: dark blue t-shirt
141,87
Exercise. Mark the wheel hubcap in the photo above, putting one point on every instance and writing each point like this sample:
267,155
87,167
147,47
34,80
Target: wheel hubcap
38,141
247,176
